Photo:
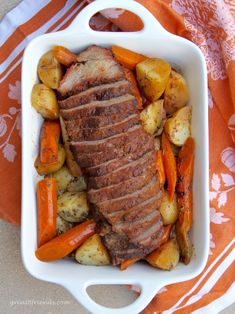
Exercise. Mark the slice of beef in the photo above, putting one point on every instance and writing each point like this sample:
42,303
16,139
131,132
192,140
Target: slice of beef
97,121
97,93
128,170
129,200
136,212
109,142
94,52
147,235
86,74
103,108
111,158
121,248
101,133
133,229
120,189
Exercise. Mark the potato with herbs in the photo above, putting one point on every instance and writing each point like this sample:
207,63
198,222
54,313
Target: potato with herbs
44,101
44,169
151,116
153,76
73,206
49,70
65,181
169,209
176,93
166,257
178,127
62,225
78,184
92,252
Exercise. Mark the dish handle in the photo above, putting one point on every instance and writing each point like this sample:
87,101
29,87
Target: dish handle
79,291
81,21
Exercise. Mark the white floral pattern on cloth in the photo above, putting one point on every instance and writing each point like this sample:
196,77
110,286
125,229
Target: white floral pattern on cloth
217,217
112,13
9,122
212,244
228,158
221,185
217,47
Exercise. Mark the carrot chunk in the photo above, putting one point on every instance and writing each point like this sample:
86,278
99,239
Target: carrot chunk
49,141
126,57
46,209
64,244
64,55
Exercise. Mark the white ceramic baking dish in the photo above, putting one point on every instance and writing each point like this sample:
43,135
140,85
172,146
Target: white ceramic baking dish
154,41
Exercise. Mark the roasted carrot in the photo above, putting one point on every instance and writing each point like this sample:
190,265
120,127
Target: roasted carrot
127,57
160,167
169,165
46,209
64,55
166,233
184,196
49,139
134,87
124,265
184,185
64,244
185,165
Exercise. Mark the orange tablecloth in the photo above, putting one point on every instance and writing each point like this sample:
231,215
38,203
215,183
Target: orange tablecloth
208,23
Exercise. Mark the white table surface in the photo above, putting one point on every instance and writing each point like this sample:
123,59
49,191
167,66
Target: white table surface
21,293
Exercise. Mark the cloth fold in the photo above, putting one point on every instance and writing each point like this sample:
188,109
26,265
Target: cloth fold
210,25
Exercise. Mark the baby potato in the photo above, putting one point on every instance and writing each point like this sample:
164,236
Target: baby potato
176,93
62,225
169,209
49,70
63,178
92,252
73,167
153,76
73,206
151,116
77,185
43,99
178,127
44,169
166,257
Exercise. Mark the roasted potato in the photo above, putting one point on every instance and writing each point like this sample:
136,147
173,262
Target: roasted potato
166,257
176,93
43,99
153,76
44,169
63,178
73,206
151,116
178,127
184,244
77,185
73,167
49,70
62,225
65,181
92,252
169,209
